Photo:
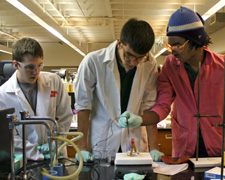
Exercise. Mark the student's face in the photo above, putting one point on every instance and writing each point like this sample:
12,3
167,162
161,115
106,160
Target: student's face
180,48
29,69
129,58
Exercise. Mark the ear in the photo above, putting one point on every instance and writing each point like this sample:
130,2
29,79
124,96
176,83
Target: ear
119,43
16,65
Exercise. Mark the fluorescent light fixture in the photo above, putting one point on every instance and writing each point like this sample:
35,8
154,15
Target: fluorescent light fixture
5,51
214,9
160,52
29,13
205,16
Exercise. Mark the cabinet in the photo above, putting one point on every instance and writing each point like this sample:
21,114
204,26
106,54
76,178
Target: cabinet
70,150
165,141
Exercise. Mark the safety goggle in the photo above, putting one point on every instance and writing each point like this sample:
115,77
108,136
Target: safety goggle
31,67
177,48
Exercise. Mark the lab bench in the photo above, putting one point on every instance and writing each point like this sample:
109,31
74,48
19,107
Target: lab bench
93,171
164,141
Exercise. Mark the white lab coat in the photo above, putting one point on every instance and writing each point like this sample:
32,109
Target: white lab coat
56,107
98,89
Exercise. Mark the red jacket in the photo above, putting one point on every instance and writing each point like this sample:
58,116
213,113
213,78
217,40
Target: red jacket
174,85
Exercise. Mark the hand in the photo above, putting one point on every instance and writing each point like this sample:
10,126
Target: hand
87,156
133,176
156,155
45,150
133,120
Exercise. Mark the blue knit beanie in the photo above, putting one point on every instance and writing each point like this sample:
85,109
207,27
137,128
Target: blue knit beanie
186,23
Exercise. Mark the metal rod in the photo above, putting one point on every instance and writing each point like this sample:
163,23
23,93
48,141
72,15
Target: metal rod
198,113
222,151
128,128
56,132
49,133
12,118
24,152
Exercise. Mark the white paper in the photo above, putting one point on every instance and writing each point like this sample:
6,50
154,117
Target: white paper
168,169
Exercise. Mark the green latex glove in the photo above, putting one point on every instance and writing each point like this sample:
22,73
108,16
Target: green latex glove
133,120
156,155
133,176
44,149
87,156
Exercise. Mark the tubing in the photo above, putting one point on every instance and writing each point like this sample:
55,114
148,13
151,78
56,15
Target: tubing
77,172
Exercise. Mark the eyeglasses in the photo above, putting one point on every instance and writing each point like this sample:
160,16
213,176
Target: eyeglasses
31,67
177,48
132,59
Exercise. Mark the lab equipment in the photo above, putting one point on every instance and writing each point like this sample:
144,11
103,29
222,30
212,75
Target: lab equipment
53,173
214,173
156,155
6,70
59,169
5,138
144,158
132,145
104,157
25,119
206,162
128,128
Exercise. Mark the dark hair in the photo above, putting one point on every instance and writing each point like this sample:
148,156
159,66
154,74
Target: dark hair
138,35
206,43
26,46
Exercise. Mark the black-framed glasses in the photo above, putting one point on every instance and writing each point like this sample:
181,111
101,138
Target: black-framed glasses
132,59
177,48
31,67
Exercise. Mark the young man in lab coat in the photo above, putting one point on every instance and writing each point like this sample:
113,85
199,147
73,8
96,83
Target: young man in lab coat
40,93
121,77
178,83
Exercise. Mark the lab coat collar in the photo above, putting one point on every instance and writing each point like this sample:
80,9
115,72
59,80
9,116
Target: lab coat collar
43,80
110,52
14,86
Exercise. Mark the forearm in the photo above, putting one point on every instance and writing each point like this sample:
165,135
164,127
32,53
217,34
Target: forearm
152,136
150,118
83,121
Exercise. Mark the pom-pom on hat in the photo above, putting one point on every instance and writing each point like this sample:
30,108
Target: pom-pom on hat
186,23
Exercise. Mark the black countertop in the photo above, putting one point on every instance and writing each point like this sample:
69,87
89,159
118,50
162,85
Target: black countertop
93,171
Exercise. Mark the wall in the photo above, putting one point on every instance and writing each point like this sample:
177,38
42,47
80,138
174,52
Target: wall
218,39
5,56
56,54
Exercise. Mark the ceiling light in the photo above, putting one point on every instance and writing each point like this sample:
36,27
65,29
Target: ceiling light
5,49
160,52
29,13
214,9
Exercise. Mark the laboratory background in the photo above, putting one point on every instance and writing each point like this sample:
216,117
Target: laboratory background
69,29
